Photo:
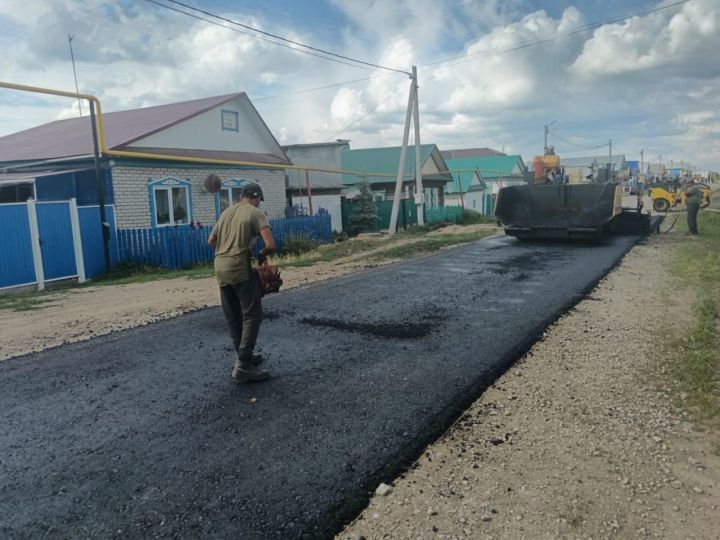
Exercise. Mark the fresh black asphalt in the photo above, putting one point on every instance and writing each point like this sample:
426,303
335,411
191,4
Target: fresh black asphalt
143,433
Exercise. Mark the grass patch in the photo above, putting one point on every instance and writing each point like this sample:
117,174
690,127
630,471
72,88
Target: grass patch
383,248
696,364
328,252
139,273
696,367
25,301
427,245
470,217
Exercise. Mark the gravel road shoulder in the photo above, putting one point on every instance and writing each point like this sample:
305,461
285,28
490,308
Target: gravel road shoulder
579,439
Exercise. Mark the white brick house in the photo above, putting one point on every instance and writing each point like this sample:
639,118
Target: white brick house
157,159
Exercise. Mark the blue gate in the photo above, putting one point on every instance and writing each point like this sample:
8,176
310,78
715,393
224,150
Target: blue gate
16,263
56,240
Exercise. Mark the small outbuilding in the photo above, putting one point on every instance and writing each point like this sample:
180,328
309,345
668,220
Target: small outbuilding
496,170
311,192
378,167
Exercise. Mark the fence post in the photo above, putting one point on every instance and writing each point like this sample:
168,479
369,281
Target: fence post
77,240
35,241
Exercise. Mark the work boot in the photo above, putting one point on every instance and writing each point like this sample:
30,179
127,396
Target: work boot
256,358
248,372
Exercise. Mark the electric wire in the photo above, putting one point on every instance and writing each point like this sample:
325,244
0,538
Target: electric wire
327,86
155,2
459,59
575,144
521,45
368,113
275,36
531,43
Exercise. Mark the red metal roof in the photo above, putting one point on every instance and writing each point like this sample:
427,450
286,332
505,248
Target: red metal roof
73,137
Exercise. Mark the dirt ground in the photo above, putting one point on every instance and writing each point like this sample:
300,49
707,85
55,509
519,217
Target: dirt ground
579,439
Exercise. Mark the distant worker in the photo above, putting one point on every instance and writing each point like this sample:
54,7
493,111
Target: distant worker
692,202
233,237
676,184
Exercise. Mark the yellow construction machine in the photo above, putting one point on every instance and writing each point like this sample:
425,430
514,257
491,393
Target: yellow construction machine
664,198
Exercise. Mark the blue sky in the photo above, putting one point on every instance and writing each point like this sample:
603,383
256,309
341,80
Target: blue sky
652,81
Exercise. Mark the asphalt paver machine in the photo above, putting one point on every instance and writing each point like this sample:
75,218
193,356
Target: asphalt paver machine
552,208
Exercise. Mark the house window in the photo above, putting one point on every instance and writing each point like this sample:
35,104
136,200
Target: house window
229,120
170,202
16,193
229,196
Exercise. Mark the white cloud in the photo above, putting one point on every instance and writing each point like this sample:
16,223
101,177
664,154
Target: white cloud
687,41
651,81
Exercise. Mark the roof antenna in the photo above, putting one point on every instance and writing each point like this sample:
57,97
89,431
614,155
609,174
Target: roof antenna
72,56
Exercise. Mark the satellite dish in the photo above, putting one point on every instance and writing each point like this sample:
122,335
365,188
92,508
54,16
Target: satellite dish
213,183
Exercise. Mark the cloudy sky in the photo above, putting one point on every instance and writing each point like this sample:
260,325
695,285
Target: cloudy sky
649,80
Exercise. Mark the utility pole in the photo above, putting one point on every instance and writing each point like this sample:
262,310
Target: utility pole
642,168
72,57
460,189
411,114
309,190
610,164
419,192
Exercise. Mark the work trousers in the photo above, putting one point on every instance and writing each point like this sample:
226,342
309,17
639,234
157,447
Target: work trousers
242,305
692,212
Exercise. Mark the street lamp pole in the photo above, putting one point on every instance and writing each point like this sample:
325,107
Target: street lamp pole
547,128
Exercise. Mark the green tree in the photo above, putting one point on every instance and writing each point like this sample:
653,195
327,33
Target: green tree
365,214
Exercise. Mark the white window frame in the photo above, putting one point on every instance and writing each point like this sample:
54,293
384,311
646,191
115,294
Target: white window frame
229,191
166,186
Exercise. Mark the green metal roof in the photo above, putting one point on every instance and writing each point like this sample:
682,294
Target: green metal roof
383,161
490,167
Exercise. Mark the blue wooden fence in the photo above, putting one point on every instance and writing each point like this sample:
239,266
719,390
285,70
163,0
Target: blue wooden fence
181,247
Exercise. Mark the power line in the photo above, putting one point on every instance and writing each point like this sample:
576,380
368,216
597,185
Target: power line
251,35
575,144
334,85
532,43
275,36
368,113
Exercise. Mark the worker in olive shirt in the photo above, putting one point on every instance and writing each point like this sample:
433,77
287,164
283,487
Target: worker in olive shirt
692,202
233,237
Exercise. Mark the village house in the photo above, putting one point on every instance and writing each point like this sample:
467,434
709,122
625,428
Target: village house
483,172
154,164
